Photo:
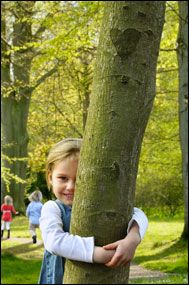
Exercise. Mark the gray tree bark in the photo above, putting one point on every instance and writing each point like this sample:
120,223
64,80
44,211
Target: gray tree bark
121,102
182,55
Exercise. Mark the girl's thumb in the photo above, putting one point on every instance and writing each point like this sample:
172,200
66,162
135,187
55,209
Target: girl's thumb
110,245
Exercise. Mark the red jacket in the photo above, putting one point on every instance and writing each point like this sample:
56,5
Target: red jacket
7,212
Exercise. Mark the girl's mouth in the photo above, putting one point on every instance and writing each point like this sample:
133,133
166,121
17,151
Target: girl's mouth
69,196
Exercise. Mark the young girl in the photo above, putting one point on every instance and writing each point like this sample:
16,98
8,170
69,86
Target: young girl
61,169
7,208
33,212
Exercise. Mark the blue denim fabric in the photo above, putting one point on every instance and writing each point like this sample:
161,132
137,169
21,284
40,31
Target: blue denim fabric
52,269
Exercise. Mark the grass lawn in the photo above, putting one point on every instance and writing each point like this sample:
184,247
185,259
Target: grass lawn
160,250
22,260
163,250
173,279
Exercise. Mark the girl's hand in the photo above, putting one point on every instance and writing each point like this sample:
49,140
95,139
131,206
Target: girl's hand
124,248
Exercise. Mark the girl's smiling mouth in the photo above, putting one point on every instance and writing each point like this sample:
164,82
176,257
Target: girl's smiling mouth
68,196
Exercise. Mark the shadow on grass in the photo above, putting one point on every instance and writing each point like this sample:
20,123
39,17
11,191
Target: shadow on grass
20,248
178,246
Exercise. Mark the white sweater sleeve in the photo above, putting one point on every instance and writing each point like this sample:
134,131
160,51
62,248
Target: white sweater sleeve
61,243
141,219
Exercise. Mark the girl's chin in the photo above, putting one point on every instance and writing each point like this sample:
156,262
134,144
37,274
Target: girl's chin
67,202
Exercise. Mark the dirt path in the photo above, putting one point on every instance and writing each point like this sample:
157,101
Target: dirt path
137,271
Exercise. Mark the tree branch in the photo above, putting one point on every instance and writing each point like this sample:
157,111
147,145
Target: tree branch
7,44
161,70
168,49
44,77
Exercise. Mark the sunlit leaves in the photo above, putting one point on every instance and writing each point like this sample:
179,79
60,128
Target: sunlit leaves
160,162
7,175
65,35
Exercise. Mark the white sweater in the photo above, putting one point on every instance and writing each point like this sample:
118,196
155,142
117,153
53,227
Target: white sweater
72,246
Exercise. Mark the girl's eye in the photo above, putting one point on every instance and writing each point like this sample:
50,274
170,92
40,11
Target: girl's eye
63,178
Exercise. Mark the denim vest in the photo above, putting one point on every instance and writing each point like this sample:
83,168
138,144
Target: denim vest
52,269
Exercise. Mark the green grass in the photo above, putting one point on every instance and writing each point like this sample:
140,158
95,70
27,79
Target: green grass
22,260
175,279
160,250
163,250
18,270
20,228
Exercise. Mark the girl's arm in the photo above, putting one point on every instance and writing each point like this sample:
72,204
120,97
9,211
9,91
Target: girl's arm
14,211
125,248
142,221
61,243
65,244
75,247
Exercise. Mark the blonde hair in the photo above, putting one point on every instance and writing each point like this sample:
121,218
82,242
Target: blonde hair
8,200
35,196
60,151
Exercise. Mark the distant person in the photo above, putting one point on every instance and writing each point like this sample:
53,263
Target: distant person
33,212
7,209
61,169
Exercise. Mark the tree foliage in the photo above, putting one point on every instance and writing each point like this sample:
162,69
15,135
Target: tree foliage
159,175
64,42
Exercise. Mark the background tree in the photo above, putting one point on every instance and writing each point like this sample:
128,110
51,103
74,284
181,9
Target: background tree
59,105
182,52
65,34
24,27
16,92
121,102
56,108
159,192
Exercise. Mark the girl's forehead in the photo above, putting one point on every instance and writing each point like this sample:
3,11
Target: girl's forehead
68,161
71,158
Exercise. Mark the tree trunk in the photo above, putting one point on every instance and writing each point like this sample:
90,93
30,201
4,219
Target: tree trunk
5,73
15,141
15,105
121,102
182,55
16,89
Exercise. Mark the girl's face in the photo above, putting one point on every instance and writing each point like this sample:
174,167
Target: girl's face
62,179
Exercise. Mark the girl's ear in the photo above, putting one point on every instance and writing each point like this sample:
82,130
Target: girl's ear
49,178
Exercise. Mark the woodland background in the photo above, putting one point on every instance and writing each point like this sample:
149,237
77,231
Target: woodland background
49,52
50,64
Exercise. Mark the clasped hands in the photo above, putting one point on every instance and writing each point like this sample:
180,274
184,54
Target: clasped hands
120,252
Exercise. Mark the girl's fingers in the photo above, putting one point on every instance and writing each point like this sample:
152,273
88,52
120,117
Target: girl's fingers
115,261
110,246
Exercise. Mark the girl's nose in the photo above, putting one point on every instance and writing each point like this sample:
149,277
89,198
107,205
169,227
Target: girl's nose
71,185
